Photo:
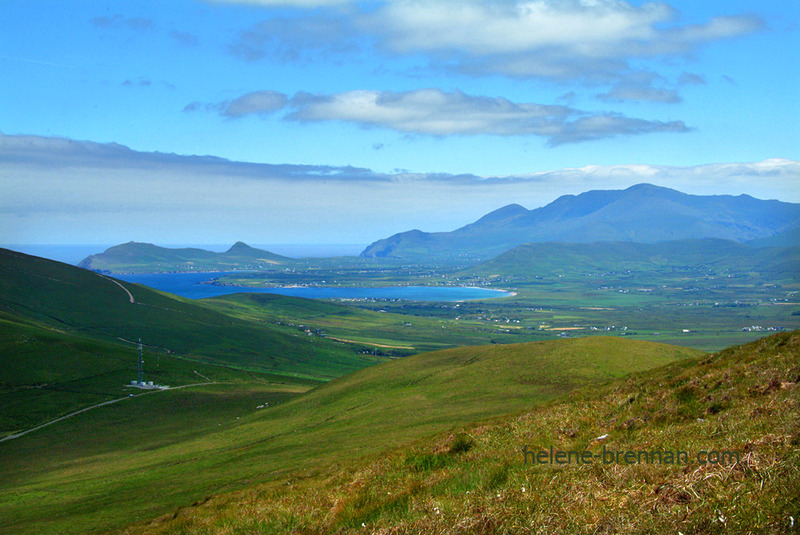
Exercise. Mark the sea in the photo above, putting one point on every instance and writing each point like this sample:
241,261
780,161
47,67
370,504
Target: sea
196,285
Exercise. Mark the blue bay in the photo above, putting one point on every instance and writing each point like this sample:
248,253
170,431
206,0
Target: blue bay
194,286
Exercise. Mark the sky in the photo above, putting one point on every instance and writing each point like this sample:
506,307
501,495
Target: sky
343,122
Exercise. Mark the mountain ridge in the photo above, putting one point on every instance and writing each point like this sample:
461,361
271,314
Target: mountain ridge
643,213
139,257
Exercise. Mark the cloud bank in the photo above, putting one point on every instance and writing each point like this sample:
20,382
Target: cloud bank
591,41
568,39
56,190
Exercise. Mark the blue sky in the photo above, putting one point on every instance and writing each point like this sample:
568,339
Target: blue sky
332,121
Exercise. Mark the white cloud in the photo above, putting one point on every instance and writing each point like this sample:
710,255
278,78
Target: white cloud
484,28
434,112
438,113
430,111
593,41
565,39
257,102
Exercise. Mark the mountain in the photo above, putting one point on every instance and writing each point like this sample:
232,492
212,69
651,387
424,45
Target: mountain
134,257
643,213
787,238
720,255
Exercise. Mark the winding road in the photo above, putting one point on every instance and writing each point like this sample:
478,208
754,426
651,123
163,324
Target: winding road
130,295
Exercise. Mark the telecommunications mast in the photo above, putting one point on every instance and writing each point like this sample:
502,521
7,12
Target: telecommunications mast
139,381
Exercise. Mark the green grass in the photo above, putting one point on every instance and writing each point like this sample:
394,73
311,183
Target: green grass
80,302
47,374
120,459
112,459
744,400
382,333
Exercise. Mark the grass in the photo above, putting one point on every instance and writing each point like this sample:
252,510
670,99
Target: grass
419,428
67,341
110,460
744,400
75,301
47,374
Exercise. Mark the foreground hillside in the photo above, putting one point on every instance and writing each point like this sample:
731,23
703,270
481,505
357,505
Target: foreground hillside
132,461
732,420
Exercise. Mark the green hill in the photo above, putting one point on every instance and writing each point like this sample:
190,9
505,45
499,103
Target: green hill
133,257
707,445
710,254
58,478
68,339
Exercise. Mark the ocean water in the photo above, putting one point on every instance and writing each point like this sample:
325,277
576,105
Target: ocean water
192,286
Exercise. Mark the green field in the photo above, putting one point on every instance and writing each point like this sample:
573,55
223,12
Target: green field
194,442
707,294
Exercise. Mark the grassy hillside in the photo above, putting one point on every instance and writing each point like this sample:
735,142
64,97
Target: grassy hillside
712,255
77,301
67,340
734,415
47,374
113,459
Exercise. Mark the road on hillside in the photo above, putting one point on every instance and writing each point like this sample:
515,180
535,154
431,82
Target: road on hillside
70,415
130,295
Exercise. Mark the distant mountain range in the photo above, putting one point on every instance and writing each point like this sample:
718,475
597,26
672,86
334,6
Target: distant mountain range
643,213
133,257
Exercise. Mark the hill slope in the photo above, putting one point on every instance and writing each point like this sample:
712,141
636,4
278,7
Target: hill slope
60,299
642,213
133,257
731,422
719,255
367,412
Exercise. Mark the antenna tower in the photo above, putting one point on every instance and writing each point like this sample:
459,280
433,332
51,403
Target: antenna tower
140,361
